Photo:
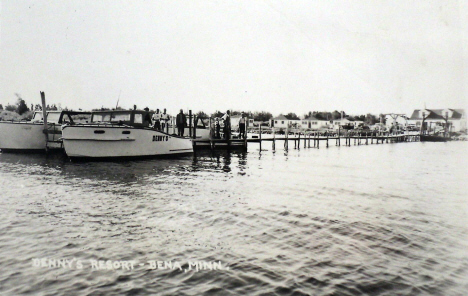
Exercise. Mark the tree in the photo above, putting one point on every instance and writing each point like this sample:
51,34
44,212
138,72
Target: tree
383,118
21,106
371,119
201,114
336,115
217,114
262,116
1,107
291,116
11,108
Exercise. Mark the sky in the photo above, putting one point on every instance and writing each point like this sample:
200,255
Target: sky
361,56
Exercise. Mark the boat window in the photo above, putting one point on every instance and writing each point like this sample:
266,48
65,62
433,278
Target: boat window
126,132
138,118
120,117
103,117
81,118
99,131
53,117
37,117
65,118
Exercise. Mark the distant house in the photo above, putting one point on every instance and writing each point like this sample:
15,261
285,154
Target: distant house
279,122
436,118
339,123
311,122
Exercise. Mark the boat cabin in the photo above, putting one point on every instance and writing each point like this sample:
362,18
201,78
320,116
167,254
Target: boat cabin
62,117
136,118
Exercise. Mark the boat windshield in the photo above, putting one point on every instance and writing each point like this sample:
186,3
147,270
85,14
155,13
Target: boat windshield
81,118
37,116
53,117
120,117
101,117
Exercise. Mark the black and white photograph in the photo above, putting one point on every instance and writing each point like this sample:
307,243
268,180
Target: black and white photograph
233,147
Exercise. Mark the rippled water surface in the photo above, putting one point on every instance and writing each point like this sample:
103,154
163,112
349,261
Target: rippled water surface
362,220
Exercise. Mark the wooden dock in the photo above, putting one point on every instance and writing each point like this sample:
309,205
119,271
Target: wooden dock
311,140
307,139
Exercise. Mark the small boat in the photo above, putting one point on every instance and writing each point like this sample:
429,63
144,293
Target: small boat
433,138
30,136
122,133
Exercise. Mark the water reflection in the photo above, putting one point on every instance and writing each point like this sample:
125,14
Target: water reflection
126,171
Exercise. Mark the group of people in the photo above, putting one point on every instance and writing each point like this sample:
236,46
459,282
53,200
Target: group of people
160,121
227,126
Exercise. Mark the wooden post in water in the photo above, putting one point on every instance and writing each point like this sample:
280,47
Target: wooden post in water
260,136
195,119
190,123
274,136
327,139
44,116
295,141
286,140
339,135
299,140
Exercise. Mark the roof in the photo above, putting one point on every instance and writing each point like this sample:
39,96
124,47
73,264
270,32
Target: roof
437,114
280,117
314,118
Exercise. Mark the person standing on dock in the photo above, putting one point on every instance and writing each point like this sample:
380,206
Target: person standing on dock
181,121
227,125
242,126
157,120
217,129
164,120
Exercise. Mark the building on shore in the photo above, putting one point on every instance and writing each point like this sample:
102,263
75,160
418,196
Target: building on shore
339,123
436,118
280,122
311,122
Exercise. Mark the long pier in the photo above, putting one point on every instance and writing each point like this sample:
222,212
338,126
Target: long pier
307,140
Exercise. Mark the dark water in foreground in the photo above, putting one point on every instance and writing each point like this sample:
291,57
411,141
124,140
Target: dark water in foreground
363,220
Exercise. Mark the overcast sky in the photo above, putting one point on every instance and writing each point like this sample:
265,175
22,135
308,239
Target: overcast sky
280,56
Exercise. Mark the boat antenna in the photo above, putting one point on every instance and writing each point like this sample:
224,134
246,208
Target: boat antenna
118,99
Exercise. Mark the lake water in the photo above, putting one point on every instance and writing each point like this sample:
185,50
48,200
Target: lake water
387,219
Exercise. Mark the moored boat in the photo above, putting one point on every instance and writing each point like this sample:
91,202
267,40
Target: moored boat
123,133
433,138
30,136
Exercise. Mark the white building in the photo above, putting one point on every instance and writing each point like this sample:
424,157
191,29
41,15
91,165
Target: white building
279,122
314,123
339,123
435,119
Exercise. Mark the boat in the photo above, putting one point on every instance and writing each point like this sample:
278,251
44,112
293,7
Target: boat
33,136
433,138
121,134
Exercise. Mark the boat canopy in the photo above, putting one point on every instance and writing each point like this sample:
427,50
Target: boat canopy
62,117
137,118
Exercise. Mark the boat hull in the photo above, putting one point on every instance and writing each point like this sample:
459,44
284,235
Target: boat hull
115,142
21,137
429,138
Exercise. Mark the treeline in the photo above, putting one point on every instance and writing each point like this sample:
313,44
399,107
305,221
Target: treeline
370,119
21,107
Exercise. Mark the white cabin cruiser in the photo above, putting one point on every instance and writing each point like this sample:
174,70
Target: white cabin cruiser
30,136
122,133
